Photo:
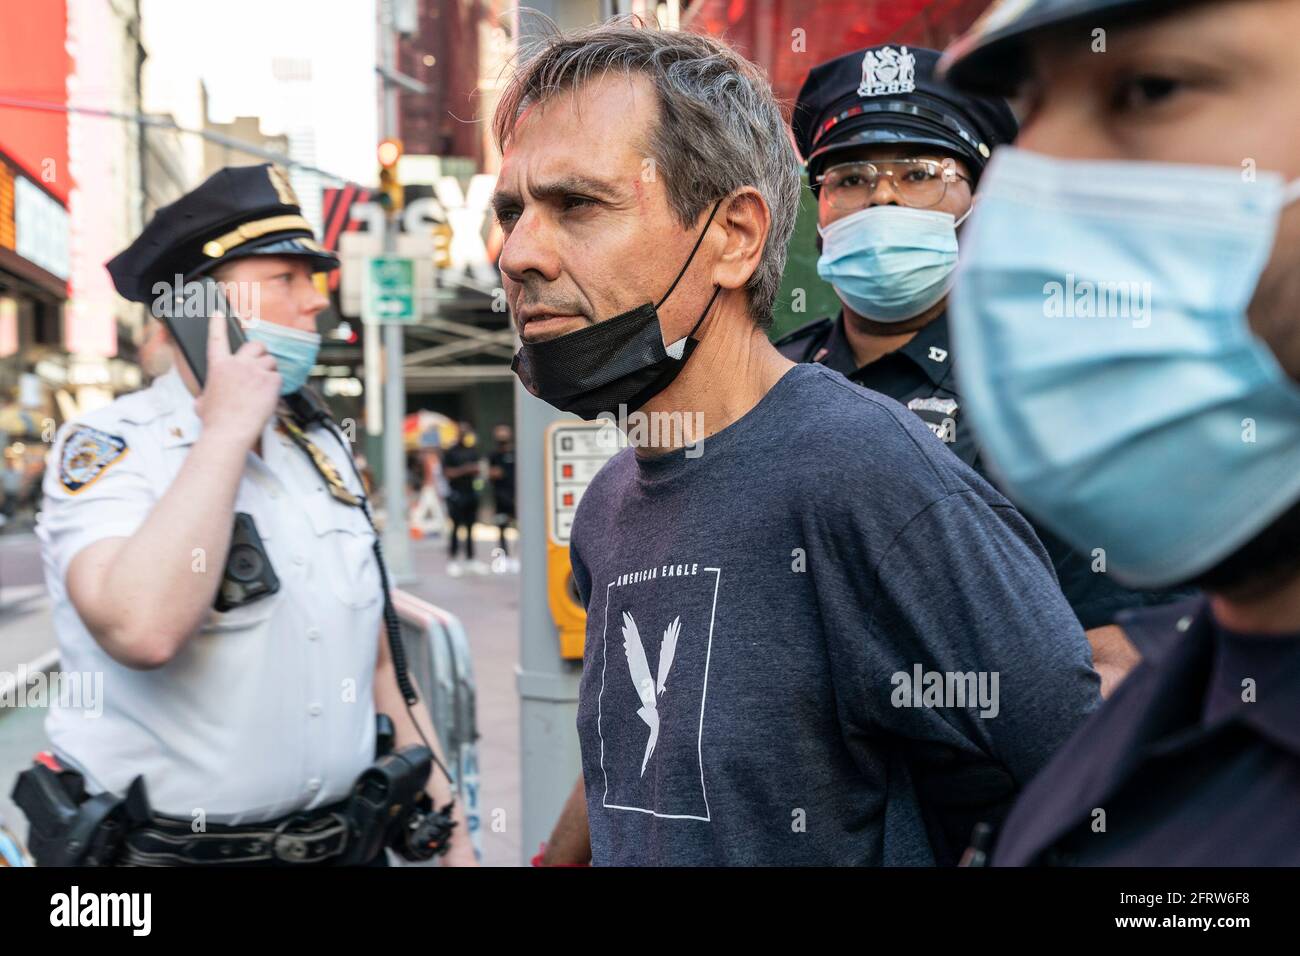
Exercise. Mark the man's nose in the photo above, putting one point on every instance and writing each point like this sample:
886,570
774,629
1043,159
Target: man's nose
317,299
530,247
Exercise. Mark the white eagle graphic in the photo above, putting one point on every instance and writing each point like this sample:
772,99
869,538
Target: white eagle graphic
646,686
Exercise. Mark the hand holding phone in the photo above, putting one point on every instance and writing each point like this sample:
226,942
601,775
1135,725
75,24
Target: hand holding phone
190,332
241,389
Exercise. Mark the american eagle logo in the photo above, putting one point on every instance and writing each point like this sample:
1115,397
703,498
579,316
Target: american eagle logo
648,689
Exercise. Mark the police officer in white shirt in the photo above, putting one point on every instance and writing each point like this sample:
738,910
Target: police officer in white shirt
250,725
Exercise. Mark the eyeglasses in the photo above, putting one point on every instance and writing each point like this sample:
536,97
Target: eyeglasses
919,183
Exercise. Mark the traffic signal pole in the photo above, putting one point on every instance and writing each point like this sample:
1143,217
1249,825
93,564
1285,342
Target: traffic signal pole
548,684
397,541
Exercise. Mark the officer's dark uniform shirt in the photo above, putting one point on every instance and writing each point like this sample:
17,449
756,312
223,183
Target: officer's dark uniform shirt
1194,761
920,376
503,488
462,486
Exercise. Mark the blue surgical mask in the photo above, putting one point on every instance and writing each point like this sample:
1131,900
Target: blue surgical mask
1107,363
890,263
294,351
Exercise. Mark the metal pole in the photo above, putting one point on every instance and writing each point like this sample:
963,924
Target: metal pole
550,760
397,541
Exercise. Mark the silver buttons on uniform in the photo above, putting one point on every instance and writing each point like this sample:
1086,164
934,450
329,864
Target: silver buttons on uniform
315,710
313,633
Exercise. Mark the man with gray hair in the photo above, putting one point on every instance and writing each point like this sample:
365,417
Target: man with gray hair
749,623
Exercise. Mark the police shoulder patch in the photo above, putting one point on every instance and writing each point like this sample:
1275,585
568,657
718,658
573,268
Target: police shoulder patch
87,454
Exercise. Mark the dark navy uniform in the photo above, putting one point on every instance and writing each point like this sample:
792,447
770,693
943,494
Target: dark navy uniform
920,376
850,102
1195,760
1177,769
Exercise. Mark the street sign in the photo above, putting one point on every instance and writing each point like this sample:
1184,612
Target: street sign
390,291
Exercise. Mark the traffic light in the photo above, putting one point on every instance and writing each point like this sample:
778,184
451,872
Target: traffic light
390,189
442,245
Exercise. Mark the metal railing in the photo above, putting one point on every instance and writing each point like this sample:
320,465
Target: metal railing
437,655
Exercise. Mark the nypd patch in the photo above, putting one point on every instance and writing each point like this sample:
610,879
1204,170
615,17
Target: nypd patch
87,454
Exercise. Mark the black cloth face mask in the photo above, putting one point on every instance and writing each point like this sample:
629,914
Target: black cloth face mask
621,361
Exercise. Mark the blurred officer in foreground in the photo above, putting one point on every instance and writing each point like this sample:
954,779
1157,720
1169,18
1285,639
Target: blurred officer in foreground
1126,316
208,550
893,155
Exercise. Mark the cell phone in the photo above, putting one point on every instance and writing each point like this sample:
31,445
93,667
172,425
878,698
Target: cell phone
190,332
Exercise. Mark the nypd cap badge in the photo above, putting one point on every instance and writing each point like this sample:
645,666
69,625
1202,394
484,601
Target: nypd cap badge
887,71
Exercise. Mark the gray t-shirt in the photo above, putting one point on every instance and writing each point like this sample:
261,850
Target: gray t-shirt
824,640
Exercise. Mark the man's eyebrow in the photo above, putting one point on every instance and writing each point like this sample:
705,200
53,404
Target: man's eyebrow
557,189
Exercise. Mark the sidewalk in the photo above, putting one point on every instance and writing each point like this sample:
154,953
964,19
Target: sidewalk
488,606
25,630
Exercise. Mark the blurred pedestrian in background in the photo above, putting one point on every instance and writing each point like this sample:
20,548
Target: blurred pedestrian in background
501,470
461,466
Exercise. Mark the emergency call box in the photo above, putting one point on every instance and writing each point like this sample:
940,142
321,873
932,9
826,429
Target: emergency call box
574,452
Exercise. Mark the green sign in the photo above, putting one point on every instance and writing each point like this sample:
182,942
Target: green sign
390,290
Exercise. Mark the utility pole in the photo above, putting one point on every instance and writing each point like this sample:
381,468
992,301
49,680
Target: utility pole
397,542
548,685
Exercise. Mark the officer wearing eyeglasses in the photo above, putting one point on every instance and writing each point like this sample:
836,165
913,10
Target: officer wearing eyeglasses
893,156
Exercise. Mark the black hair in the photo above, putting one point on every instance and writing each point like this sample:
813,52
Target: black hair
1264,563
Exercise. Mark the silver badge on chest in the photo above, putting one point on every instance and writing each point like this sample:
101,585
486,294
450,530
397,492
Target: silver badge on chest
939,415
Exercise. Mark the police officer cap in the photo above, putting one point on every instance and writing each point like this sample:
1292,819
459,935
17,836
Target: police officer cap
992,57
890,94
238,211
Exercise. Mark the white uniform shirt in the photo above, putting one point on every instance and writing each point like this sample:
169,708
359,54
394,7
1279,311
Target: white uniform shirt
268,709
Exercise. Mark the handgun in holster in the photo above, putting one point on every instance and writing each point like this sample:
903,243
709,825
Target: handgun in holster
390,808
70,827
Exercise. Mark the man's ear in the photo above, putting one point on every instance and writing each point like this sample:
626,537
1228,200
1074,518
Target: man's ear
747,221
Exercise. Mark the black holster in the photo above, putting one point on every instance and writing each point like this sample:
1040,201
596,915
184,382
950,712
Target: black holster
70,827
385,800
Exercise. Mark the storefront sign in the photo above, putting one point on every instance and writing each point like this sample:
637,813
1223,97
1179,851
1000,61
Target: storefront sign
41,224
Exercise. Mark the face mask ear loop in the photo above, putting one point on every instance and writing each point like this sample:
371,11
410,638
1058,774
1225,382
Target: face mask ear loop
1291,193
705,314
966,214
703,233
